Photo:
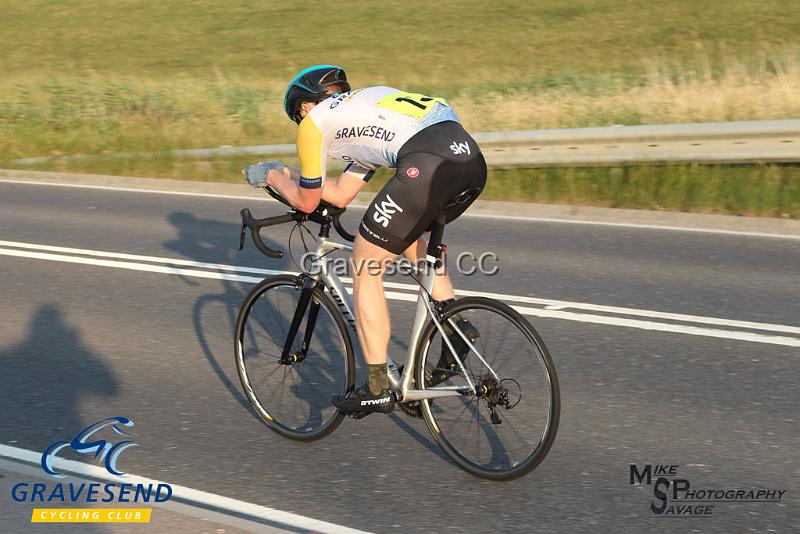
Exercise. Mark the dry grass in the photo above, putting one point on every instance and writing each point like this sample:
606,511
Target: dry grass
81,77
89,77
95,115
771,91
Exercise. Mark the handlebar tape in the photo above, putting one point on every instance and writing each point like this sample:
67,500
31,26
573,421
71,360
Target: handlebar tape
255,226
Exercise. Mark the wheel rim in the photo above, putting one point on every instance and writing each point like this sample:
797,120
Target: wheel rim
293,397
464,426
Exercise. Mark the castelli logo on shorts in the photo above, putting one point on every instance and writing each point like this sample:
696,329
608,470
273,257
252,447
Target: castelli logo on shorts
413,172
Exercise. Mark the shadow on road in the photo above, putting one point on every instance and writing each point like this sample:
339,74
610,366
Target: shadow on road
44,380
194,242
198,239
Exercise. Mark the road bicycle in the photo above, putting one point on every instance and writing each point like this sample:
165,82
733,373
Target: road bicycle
496,412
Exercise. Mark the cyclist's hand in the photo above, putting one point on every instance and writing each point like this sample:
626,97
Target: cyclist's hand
256,175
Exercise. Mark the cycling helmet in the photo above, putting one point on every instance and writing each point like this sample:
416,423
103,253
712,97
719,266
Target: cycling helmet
310,86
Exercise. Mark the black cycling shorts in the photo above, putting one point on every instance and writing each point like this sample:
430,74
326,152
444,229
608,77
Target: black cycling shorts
433,167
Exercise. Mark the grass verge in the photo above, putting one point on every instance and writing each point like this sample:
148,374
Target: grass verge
154,75
96,115
754,190
147,75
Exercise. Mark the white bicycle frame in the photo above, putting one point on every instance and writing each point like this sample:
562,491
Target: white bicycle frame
321,264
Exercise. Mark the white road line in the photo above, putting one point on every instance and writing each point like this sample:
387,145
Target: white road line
152,259
182,493
553,314
563,304
469,214
548,303
660,327
633,225
130,266
135,190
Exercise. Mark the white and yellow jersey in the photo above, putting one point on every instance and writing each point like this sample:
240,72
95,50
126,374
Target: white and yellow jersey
365,128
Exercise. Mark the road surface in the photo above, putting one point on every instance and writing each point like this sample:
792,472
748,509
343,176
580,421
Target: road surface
672,347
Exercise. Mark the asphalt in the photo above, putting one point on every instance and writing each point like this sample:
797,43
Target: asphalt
560,212
79,343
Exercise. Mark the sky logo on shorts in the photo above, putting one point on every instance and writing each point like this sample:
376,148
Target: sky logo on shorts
460,148
385,210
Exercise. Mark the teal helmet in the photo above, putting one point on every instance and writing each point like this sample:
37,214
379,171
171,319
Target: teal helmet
311,86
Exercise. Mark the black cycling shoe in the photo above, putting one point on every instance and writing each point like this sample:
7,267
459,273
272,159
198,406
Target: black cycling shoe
447,365
362,400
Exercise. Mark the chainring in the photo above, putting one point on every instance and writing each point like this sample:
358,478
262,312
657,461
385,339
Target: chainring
411,408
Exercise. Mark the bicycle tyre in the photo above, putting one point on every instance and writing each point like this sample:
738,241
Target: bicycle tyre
257,395
432,411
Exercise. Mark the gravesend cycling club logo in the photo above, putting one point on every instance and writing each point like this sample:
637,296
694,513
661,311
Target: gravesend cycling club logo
103,450
104,441
674,495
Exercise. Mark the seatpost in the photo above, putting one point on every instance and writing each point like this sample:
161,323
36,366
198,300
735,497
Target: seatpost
435,246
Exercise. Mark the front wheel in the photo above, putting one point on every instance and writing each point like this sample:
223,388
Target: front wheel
290,383
507,428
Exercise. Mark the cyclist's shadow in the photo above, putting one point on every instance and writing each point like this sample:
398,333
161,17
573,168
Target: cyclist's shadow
199,239
52,384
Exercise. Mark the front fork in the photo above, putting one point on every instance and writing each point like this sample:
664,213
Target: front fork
288,357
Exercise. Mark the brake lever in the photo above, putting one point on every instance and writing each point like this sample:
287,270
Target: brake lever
243,234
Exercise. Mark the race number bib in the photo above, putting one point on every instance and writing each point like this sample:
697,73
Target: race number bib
412,104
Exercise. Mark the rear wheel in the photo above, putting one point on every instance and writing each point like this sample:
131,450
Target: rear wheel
507,428
290,385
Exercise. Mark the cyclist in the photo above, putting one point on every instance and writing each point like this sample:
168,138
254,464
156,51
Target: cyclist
435,160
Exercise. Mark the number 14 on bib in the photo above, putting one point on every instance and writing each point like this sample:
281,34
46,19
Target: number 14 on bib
413,104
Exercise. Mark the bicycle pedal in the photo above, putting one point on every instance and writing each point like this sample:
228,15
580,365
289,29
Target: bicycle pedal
357,415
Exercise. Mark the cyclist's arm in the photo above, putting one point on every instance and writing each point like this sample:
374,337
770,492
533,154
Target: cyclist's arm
342,192
339,193
304,190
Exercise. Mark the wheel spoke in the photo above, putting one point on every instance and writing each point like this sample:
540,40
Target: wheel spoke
517,439
296,396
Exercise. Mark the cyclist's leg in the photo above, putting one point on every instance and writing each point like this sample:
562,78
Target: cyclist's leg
372,312
442,286
424,183
394,221
372,324
462,182
452,180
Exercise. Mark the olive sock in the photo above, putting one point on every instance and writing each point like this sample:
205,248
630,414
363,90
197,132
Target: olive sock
378,378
